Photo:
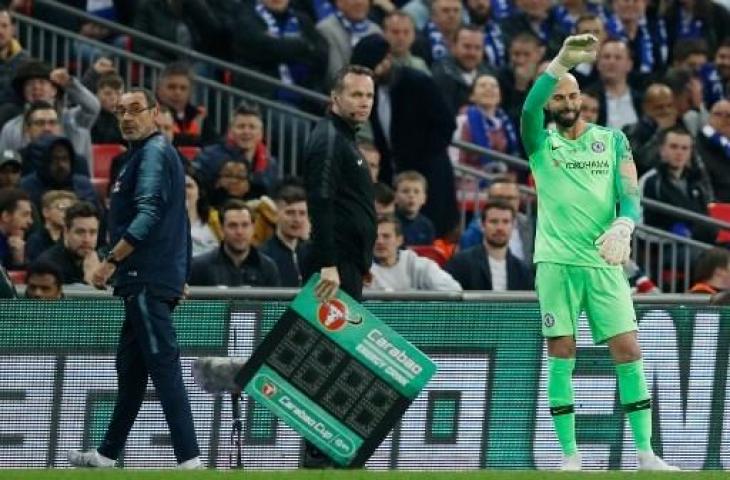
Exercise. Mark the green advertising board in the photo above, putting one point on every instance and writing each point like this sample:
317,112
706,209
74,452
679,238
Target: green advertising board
336,374
484,408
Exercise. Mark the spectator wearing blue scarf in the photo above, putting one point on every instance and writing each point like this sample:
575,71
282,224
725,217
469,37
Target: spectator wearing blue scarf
568,12
484,123
343,30
713,146
482,13
537,17
715,76
697,19
440,31
647,37
692,54
274,39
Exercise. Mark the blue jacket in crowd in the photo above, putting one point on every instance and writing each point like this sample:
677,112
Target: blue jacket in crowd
148,210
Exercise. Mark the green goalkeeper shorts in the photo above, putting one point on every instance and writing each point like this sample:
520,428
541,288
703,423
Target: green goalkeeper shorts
564,291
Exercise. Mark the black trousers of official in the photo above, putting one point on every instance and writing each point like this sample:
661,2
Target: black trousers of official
351,282
148,347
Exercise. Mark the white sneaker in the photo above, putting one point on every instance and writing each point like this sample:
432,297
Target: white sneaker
192,464
90,458
650,461
572,463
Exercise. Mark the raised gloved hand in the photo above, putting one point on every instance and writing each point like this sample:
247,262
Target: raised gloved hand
576,49
614,246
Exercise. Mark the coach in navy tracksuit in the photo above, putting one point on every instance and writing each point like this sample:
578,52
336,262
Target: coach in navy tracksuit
150,261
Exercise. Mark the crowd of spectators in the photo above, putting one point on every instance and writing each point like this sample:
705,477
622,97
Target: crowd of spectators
445,70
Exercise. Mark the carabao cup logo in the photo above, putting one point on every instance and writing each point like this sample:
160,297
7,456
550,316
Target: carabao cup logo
268,389
334,315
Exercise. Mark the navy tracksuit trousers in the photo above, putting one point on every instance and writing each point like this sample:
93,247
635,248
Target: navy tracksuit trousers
148,347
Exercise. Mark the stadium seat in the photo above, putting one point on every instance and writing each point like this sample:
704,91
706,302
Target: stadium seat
103,154
429,251
720,211
189,152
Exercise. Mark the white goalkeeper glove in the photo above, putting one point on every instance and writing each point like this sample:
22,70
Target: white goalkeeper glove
576,49
614,246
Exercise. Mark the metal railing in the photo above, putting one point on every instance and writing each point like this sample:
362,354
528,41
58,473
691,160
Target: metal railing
287,127
182,52
287,294
520,164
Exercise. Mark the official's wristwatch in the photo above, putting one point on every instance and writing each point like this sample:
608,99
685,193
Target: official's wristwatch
110,259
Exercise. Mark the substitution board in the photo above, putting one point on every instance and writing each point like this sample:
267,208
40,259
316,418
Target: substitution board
336,374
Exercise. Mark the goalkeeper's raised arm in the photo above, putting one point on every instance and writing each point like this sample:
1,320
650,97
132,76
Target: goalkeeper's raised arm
576,49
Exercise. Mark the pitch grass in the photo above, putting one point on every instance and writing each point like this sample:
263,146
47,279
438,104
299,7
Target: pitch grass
60,474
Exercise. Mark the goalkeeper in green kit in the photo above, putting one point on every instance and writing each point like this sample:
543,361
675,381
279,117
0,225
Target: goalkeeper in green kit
582,172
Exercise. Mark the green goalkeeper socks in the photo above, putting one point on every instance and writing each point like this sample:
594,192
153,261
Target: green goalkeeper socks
560,397
636,401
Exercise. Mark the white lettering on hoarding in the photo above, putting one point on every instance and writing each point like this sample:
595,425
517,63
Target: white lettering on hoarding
26,403
469,375
725,439
283,451
88,379
593,394
684,430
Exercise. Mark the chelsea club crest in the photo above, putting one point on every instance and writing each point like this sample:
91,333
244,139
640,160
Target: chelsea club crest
598,147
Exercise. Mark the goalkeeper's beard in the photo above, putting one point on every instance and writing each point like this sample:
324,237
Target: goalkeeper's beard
564,121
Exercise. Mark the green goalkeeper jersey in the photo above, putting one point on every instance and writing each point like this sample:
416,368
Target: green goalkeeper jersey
579,183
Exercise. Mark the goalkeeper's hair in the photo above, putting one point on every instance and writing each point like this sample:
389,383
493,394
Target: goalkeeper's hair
499,205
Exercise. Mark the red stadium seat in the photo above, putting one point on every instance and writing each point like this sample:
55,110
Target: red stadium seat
429,251
103,154
721,211
189,152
